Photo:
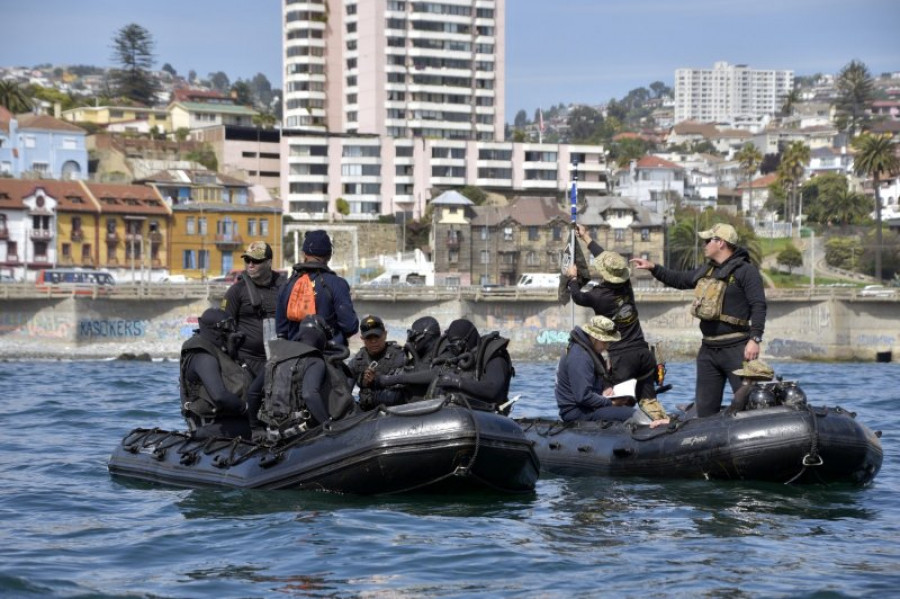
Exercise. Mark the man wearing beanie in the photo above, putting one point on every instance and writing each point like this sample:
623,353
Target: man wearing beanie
251,302
315,289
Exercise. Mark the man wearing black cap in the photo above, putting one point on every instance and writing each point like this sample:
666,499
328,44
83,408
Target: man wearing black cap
213,385
251,302
315,289
378,357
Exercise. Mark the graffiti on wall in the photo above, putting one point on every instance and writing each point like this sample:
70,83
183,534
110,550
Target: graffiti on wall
112,329
47,325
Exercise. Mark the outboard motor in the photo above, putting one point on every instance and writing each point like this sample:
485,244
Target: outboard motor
762,396
793,396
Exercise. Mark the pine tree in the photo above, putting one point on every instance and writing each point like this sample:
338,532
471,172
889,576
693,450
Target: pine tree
133,50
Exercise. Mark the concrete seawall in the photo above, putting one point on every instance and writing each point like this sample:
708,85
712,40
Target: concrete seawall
826,328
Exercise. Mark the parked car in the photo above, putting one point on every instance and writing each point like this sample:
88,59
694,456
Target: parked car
876,291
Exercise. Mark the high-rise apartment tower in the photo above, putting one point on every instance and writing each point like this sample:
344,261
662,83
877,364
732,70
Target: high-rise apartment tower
395,68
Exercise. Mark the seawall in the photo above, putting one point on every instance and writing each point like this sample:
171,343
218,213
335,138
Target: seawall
800,327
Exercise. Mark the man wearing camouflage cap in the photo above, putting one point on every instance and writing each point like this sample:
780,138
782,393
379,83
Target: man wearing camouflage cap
629,358
251,302
730,302
583,386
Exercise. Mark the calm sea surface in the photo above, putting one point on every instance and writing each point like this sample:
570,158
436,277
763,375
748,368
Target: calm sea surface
67,529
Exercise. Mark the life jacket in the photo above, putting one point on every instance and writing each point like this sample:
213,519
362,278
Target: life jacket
197,406
283,408
709,294
600,368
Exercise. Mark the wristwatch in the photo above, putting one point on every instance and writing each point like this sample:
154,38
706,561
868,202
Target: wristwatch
757,338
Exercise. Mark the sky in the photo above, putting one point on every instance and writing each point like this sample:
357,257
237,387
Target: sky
557,51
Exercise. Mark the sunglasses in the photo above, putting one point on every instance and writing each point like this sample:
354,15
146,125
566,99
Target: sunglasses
253,261
705,241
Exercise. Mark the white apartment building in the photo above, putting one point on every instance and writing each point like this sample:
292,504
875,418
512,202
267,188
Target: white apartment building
387,103
727,93
398,68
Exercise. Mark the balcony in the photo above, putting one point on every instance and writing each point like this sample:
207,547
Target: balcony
452,244
229,243
134,238
4,233
77,236
41,234
156,237
112,238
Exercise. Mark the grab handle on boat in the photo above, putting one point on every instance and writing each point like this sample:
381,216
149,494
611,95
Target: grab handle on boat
810,460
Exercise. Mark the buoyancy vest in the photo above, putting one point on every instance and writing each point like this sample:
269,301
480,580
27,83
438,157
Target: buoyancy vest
197,406
600,368
473,364
709,294
283,407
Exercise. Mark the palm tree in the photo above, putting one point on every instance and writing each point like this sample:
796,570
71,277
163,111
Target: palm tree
876,157
790,172
749,158
788,101
856,90
13,98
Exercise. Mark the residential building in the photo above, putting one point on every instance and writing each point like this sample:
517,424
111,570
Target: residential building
756,193
652,181
132,119
624,225
395,68
730,93
41,146
134,221
208,238
194,109
379,175
179,186
252,154
45,223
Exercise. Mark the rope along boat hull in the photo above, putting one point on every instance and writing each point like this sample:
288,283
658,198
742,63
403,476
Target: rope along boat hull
431,445
778,444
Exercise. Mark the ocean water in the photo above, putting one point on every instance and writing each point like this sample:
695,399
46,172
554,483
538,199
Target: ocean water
68,529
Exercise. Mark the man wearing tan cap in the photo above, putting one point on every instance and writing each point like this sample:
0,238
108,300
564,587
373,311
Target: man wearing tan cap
730,302
583,385
251,302
629,358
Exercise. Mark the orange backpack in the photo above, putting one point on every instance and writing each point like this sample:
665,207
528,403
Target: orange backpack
302,301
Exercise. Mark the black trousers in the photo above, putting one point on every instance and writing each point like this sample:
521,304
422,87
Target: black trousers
635,363
715,366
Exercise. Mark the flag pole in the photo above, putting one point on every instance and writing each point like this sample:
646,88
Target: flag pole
573,199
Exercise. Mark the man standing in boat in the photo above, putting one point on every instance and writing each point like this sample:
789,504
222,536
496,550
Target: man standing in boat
315,289
583,386
730,302
629,358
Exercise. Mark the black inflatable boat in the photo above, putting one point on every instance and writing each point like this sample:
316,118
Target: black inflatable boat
429,445
777,444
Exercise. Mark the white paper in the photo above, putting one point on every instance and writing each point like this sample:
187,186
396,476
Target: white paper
624,389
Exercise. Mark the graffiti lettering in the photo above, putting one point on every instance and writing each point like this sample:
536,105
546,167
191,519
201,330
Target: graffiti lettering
550,336
111,328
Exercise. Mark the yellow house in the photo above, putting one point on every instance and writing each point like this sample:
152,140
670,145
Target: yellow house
208,238
134,226
109,115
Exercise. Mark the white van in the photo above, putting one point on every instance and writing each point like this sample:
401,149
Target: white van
538,280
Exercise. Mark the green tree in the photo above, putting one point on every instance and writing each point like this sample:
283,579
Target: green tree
219,81
133,50
476,194
585,124
791,257
876,158
625,150
790,174
660,89
789,101
205,156
342,206
241,93
520,120
262,90
13,98
827,200
843,252
749,157
856,90
170,70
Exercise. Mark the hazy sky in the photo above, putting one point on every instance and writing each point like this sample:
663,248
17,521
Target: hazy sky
585,51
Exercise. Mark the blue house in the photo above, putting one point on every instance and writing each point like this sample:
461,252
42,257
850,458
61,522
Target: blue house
40,146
